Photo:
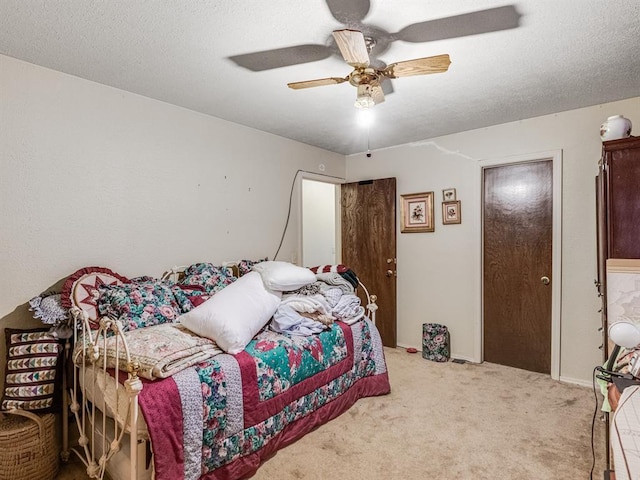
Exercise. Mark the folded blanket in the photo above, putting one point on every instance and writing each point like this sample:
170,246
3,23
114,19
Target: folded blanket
358,315
307,303
343,270
333,295
162,350
288,320
346,307
302,314
335,279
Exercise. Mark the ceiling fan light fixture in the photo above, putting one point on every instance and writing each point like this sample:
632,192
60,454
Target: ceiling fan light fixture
364,99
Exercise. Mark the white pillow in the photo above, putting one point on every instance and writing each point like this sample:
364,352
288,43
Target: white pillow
284,276
234,315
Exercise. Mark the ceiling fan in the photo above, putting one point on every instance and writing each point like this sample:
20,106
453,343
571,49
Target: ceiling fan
361,45
355,49
352,13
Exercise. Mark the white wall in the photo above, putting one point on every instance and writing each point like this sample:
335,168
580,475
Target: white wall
318,223
439,273
92,175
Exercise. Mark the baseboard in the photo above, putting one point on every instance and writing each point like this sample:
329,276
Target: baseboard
576,381
463,357
453,355
571,380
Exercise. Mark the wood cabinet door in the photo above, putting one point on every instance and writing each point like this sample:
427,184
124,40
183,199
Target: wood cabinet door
622,165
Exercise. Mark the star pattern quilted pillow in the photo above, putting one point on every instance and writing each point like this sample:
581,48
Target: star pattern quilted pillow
82,289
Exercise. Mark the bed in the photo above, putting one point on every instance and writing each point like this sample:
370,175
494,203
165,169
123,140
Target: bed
171,400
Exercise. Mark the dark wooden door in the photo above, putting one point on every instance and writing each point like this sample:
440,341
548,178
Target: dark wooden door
517,247
369,245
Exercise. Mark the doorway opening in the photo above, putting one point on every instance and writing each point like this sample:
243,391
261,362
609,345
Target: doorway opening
319,223
354,224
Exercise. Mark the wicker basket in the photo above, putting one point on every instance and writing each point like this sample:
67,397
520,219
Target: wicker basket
28,446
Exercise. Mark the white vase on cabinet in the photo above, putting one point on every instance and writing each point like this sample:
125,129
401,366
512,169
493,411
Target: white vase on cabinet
615,127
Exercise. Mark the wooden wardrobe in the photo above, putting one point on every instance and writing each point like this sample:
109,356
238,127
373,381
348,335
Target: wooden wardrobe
618,217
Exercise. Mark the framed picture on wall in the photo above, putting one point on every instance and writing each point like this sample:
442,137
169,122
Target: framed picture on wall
448,194
417,212
451,213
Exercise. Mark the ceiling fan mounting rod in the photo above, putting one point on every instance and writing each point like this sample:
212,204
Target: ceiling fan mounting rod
370,43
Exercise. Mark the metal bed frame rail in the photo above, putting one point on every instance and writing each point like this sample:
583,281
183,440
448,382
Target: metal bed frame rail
95,449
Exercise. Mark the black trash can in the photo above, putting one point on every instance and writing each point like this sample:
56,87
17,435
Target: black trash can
435,342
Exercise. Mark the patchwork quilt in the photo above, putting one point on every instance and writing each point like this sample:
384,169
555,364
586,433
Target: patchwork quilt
220,418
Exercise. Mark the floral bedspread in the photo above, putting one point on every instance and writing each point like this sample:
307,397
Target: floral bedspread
283,361
219,418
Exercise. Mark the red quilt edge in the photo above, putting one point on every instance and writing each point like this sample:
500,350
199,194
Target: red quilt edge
161,404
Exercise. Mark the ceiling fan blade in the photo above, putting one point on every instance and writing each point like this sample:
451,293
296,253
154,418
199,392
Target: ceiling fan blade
281,57
350,13
483,21
419,66
352,47
377,94
316,83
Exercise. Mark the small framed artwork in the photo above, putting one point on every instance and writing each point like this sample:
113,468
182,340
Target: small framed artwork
417,212
451,213
448,194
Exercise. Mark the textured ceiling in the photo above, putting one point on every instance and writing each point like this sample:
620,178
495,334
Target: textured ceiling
205,56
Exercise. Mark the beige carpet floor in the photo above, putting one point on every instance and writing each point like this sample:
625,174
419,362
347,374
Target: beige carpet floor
448,421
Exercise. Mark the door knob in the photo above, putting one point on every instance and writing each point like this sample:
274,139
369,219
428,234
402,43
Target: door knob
389,273
545,280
